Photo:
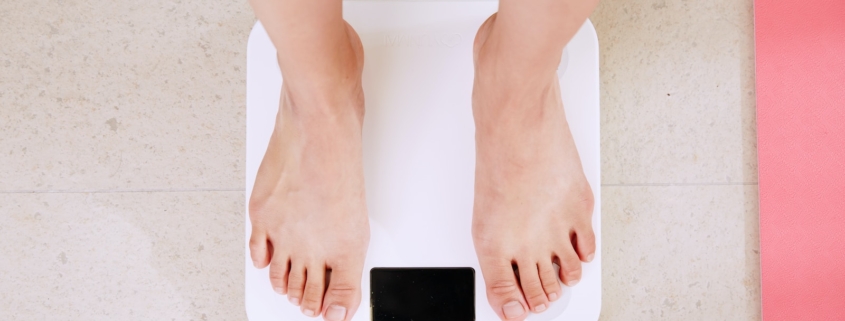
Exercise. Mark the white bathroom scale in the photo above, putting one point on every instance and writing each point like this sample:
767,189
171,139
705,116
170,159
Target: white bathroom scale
419,145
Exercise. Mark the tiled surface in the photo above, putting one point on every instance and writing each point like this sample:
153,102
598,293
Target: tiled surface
680,253
99,97
122,256
128,95
679,170
677,88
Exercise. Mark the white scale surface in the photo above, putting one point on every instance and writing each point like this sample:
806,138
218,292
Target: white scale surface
419,149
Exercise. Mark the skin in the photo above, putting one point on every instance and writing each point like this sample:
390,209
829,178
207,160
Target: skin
533,204
308,207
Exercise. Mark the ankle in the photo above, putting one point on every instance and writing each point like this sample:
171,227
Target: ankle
517,102
324,103
501,60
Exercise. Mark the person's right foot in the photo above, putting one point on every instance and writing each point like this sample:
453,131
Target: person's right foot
307,208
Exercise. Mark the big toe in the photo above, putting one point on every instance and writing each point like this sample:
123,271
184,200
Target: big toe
503,291
343,294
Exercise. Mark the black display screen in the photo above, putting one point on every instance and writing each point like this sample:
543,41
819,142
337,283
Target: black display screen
422,294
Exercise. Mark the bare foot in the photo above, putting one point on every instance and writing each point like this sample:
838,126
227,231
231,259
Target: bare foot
533,204
308,207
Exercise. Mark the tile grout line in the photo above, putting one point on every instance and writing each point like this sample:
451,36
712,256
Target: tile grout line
243,190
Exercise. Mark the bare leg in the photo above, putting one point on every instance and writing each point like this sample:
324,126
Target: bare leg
308,207
533,204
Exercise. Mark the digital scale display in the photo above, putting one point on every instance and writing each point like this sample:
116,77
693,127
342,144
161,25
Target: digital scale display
422,294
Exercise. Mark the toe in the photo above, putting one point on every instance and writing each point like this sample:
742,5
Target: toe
296,282
548,277
259,248
532,288
503,290
585,243
312,298
279,268
570,266
343,295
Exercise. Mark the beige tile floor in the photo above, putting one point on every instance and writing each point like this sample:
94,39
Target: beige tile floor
122,143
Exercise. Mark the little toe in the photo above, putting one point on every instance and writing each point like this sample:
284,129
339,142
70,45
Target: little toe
570,266
259,248
549,278
296,283
343,295
503,291
312,298
585,243
279,268
532,287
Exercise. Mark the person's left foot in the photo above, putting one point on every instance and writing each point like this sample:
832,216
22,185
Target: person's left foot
533,204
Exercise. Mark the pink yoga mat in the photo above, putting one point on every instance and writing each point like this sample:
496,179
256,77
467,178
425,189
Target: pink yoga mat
801,148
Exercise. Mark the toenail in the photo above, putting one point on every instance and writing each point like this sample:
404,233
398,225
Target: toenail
295,301
336,313
308,312
573,283
540,308
513,310
591,257
279,290
552,296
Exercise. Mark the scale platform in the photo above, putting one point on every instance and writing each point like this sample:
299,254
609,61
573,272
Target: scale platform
419,145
